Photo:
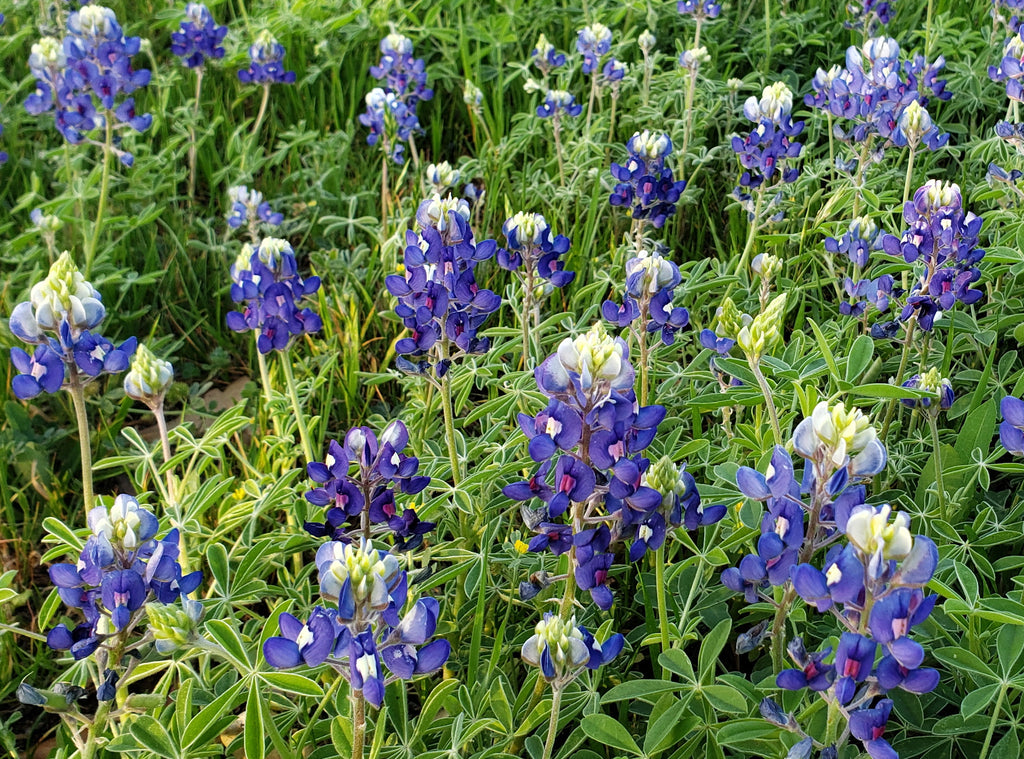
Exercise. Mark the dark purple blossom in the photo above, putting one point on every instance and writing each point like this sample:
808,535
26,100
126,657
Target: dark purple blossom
198,38
266,62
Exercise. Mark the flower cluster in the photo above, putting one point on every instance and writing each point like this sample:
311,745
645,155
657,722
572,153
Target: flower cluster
868,15
651,280
391,109
765,152
941,240
122,566
266,279
84,78
590,437
933,382
390,122
442,176
59,318
593,43
874,90
645,184
438,296
861,238
531,246
266,62
199,38
362,626
557,102
562,649
249,208
756,336
363,502
841,450
546,57
149,377
699,9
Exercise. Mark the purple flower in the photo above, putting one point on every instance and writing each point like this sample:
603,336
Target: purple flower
593,43
310,643
41,372
198,38
813,673
557,102
645,184
1011,430
266,62
868,726
855,658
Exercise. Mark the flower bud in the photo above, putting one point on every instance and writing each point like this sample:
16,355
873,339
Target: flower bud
66,295
472,95
149,377
563,644
174,626
728,319
870,531
646,41
595,355
442,175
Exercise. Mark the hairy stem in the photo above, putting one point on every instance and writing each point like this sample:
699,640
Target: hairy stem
94,241
300,419
84,442
662,600
773,414
449,427
556,707
779,628
556,125
907,342
940,490
358,723
192,150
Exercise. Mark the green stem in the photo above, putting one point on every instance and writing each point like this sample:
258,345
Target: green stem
891,409
556,125
779,628
593,96
449,427
906,182
556,707
528,286
94,241
773,414
691,87
933,425
831,148
648,67
662,600
267,390
261,114
755,224
993,722
96,729
172,494
358,723
767,35
644,368
192,150
84,443
300,419
928,28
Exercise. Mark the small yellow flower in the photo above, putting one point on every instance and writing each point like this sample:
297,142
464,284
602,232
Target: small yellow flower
521,547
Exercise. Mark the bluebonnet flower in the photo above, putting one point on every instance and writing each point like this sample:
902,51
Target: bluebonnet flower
645,184
59,319
545,57
1011,429
149,378
562,649
915,127
874,90
765,152
266,280
438,296
1011,67
266,62
868,15
403,75
651,280
861,238
121,567
84,78
692,59
590,437
442,176
593,43
532,248
250,209
198,38
557,102
390,121
700,9
365,502
933,382
362,630
941,238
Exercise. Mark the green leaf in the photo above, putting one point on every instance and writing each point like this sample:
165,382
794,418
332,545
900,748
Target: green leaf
230,640
739,733
645,690
711,647
677,662
967,581
154,736
217,558
725,699
610,732
63,533
659,730
825,350
290,682
1009,647
860,357
212,718
978,699
958,658
882,390
1008,747
253,739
